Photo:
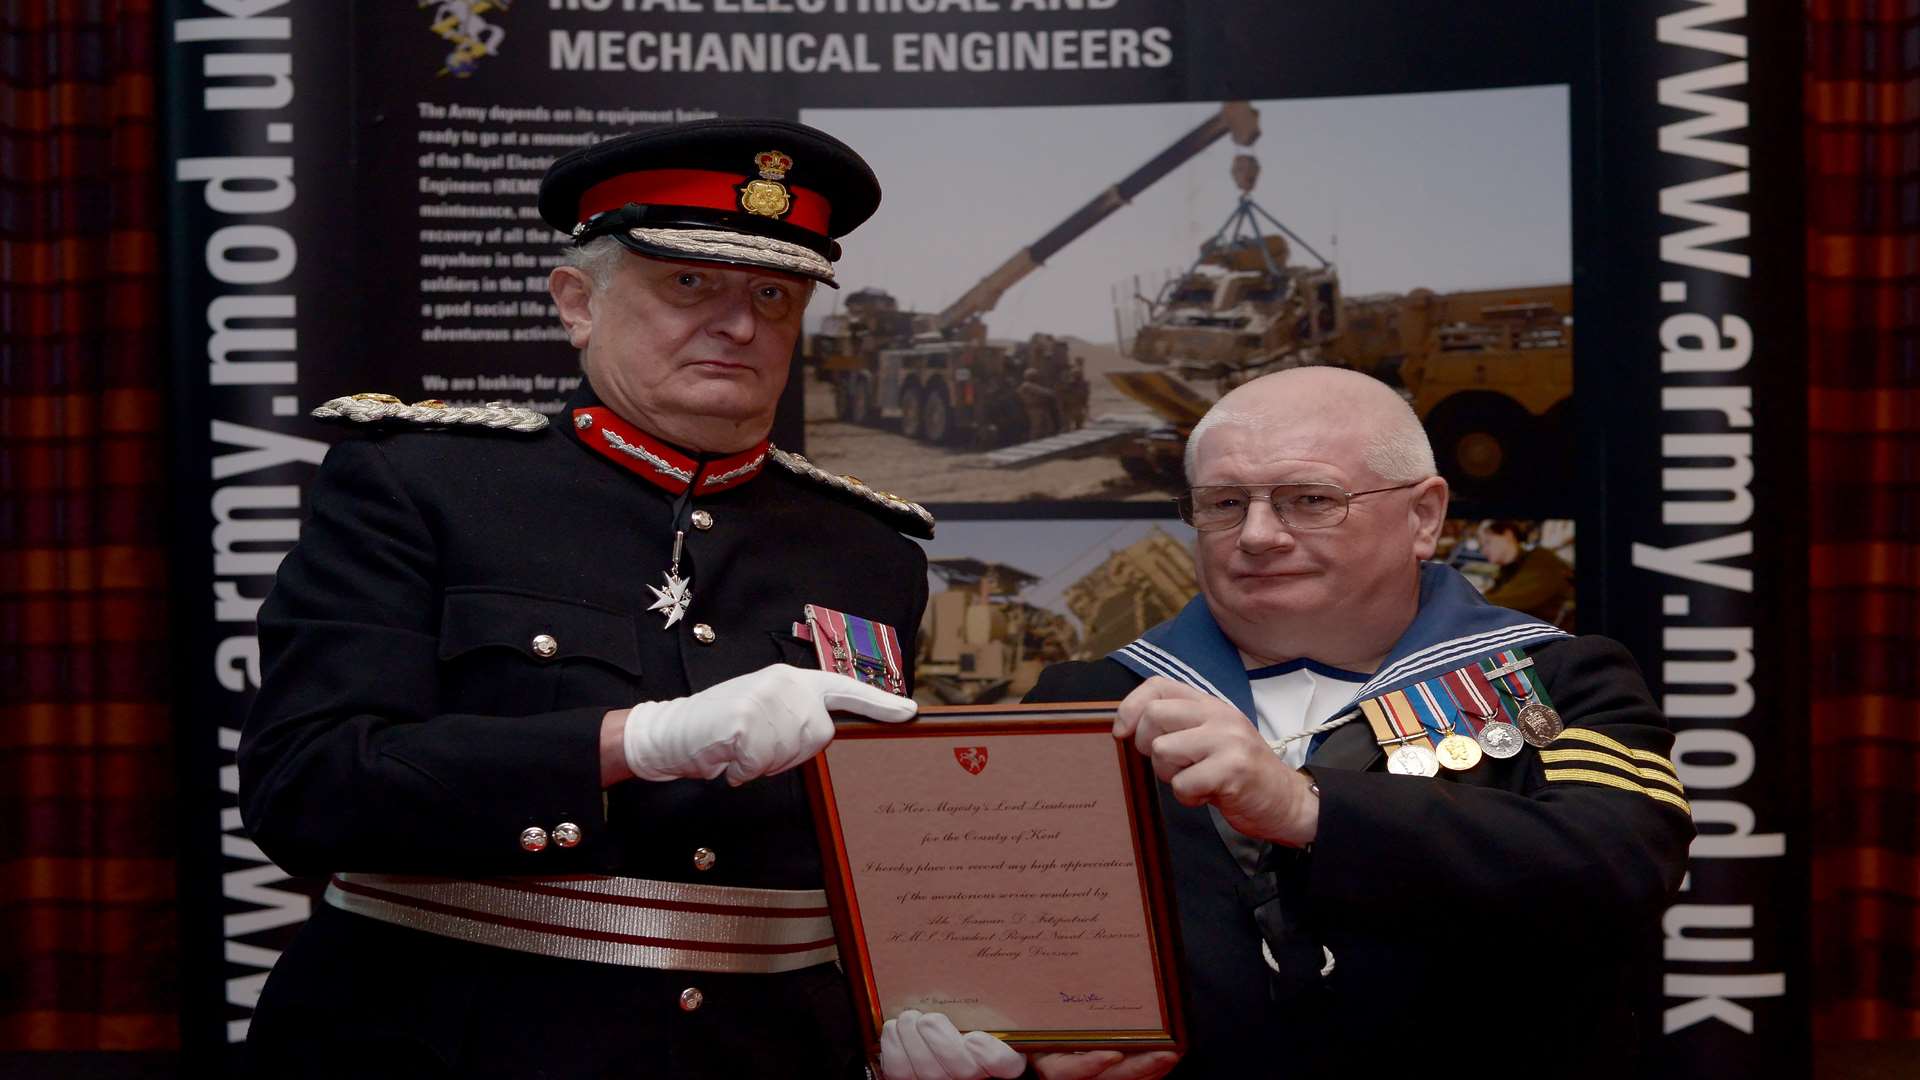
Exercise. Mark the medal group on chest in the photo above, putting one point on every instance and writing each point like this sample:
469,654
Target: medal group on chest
1487,709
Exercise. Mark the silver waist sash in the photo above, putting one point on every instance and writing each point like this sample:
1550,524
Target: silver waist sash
607,920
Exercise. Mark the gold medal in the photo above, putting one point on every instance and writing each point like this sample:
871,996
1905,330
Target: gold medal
1454,750
1458,752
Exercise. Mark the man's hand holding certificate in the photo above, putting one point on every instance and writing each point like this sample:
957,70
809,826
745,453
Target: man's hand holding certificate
1002,868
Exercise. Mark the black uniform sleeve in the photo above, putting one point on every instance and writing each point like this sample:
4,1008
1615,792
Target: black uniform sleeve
346,763
1601,826
1083,680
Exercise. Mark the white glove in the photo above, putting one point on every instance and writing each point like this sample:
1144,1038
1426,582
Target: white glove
750,726
926,1046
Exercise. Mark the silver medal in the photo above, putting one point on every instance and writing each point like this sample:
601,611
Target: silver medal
677,593
1413,759
1500,739
674,598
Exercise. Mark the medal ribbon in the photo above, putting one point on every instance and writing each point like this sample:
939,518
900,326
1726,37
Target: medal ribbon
867,640
841,641
1521,684
1479,702
1394,720
1434,708
1385,732
1513,691
833,631
890,652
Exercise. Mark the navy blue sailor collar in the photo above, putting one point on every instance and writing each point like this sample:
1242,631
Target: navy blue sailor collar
1454,626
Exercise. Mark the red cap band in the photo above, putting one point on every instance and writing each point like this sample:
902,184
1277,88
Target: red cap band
697,187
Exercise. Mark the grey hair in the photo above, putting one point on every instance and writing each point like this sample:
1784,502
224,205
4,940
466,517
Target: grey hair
1401,453
1398,452
1215,417
599,258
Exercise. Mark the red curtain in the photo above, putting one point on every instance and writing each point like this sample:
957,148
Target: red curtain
1863,411
88,930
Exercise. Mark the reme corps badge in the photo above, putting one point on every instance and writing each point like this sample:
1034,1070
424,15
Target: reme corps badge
767,196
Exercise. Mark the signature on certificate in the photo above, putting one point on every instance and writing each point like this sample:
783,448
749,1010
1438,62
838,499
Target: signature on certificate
1080,999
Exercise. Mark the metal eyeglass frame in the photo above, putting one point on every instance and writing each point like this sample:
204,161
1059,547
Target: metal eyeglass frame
1184,502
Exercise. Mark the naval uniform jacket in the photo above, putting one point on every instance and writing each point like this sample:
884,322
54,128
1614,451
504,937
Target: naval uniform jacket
1492,922
408,723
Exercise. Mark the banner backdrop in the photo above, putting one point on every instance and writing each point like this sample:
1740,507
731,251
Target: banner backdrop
1705,542
1099,215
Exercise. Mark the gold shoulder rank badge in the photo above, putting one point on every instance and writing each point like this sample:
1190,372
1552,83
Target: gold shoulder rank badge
767,196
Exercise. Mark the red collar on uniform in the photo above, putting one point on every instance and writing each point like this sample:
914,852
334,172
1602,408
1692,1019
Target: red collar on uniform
641,453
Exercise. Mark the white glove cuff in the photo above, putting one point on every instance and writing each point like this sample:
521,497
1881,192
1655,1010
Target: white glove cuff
654,753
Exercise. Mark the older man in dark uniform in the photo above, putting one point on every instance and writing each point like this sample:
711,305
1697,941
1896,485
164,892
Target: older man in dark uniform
532,695
1409,830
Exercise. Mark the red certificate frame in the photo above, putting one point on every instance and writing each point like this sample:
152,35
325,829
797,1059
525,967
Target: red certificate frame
1032,903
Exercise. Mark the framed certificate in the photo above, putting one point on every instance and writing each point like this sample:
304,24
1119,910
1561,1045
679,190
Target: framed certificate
1003,865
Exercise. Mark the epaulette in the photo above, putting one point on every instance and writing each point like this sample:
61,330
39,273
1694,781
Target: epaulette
373,408
921,521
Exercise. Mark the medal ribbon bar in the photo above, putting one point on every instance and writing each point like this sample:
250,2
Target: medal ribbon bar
1386,731
1518,681
1404,717
864,649
1435,711
1476,696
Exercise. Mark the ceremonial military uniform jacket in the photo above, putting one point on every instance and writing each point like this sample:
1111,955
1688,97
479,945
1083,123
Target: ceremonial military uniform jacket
1491,922
439,650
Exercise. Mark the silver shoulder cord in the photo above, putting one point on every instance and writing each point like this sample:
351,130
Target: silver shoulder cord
1279,746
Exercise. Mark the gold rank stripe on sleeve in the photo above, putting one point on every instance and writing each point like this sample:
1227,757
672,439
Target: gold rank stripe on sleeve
1594,738
1558,757
1615,780
1656,779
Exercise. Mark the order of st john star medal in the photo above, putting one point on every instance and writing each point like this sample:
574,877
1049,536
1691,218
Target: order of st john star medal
673,599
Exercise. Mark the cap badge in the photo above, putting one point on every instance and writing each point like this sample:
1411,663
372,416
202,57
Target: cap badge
767,196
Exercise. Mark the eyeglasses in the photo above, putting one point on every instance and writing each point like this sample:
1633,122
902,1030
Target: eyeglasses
1301,506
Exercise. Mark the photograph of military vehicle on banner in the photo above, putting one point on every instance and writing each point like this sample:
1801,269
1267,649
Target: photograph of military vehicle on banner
1050,297
1005,602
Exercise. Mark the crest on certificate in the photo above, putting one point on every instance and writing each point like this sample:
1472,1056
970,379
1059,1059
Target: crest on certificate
971,758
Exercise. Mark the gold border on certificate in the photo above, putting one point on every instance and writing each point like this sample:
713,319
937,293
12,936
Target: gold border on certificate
1004,865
